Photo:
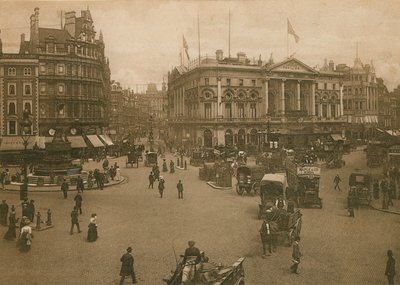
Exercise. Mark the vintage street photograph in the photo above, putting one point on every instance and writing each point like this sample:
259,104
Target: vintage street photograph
199,142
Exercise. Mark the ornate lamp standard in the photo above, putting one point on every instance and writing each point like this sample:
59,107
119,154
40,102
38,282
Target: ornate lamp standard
151,137
25,128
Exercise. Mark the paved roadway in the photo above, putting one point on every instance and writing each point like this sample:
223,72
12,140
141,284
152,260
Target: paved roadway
337,249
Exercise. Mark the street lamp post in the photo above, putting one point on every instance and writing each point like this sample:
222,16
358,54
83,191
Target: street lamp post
151,138
25,128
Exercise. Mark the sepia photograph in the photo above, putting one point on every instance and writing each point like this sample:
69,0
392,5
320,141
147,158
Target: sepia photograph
199,142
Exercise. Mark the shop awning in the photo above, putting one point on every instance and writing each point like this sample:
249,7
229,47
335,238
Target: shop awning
77,141
95,141
15,143
106,139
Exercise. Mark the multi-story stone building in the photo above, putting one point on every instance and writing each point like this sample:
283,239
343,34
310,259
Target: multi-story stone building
361,91
74,74
232,101
19,92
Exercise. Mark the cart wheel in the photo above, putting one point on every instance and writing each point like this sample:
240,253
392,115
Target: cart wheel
255,187
239,190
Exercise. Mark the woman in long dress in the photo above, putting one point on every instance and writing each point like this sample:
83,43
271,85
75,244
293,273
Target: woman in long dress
92,231
25,237
11,233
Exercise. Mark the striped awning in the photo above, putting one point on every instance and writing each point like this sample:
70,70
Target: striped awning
106,139
95,141
77,141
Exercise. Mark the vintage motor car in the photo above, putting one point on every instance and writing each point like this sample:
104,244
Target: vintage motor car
360,192
151,159
132,158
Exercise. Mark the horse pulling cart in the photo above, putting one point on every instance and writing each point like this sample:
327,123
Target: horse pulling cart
209,273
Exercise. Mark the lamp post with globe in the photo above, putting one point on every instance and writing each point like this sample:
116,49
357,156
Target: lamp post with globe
26,133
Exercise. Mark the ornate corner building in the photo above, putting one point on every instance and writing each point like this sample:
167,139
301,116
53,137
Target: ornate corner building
73,75
232,101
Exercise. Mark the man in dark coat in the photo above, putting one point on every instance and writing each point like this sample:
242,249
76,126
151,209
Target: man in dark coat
296,254
161,186
151,180
74,220
179,186
79,184
78,202
3,213
390,267
31,209
127,267
336,181
65,188
191,259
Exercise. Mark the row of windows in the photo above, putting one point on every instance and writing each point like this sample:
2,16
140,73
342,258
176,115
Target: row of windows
228,110
229,81
325,86
12,128
27,89
12,107
69,69
12,71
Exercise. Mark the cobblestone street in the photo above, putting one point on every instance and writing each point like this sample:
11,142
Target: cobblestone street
337,249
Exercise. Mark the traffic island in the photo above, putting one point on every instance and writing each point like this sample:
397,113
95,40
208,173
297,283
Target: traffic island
57,188
215,186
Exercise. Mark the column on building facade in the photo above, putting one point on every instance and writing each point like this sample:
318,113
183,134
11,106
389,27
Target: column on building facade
329,112
320,110
337,113
183,101
175,103
219,96
298,105
341,101
283,96
312,98
368,107
266,95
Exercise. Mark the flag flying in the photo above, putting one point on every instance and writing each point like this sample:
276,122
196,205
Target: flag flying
292,32
186,47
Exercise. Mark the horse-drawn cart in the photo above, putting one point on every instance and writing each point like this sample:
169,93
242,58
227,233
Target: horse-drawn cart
132,158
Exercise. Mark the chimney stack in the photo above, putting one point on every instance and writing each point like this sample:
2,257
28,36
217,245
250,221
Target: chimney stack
241,57
70,23
34,39
219,54
331,65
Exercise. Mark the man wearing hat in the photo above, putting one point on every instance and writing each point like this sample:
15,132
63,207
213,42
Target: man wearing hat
3,212
127,267
390,267
191,258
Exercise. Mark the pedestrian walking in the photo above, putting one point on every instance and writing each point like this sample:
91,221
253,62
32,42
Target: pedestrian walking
92,229
74,221
171,167
65,188
156,172
79,184
151,180
3,213
117,173
179,186
25,237
31,210
164,166
296,254
127,267
11,233
78,202
161,186
337,181
390,267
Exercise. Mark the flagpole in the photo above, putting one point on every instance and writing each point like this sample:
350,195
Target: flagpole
229,44
198,32
287,40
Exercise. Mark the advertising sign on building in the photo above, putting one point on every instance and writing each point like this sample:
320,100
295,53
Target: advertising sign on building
308,170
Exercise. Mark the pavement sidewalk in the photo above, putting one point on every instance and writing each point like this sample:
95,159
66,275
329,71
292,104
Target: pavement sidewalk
377,205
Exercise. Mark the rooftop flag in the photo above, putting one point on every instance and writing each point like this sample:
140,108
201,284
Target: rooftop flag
291,31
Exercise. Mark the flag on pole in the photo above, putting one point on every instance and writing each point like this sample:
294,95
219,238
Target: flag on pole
291,31
186,47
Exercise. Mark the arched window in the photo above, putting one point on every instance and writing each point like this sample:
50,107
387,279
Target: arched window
253,136
11,108
241,140
27,106
229,138
207,138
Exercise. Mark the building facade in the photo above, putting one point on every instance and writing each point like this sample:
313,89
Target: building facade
74,75
232,101
19,92
361,93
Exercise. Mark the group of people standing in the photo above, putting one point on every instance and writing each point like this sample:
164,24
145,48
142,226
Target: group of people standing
155,175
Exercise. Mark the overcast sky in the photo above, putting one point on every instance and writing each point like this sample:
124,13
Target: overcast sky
143,38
